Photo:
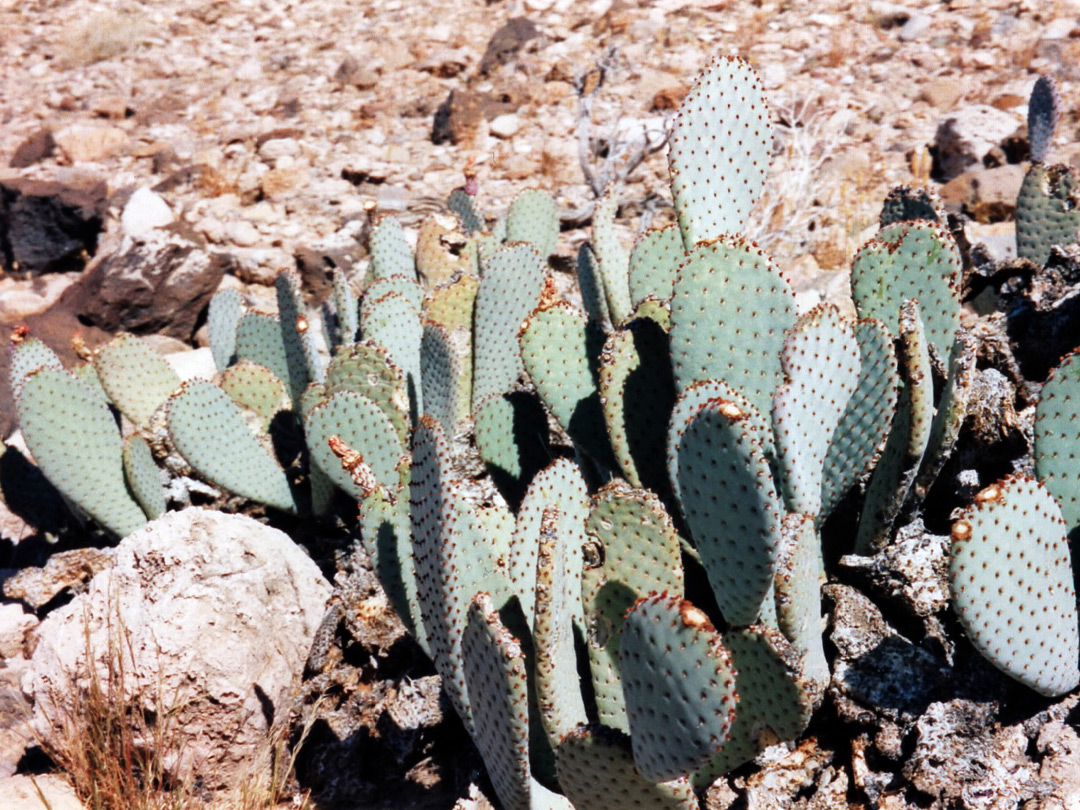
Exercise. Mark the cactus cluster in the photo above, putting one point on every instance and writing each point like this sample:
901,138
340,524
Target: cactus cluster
712,432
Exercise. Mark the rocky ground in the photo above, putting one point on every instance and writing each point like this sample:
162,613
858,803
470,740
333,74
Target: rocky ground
253,136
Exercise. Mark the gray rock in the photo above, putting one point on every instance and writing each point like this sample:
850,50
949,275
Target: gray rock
217,612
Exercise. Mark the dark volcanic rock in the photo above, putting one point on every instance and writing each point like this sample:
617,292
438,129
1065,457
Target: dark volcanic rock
49,227
159,283
36,147
506,42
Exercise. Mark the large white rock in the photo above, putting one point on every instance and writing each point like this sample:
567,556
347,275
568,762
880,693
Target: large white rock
145,211
215,612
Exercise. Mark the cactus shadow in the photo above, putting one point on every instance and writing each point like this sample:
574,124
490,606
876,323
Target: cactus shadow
32,498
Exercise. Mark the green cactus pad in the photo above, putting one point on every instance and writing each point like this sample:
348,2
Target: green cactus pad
512,437
774,702
135,377
1057,438
390,251
821,368
463,204
631,550
451,304
730,313
917,260
510,290
1047,211
366,368
362,425
440,376
864,426
259,338
952,410
405,285
88,376
720,150
679,684
558,592
436,259
654,264
1042,117
908,436
730,504
534,218
256,387
393,322
222,319
72,435
143,476
560,350
591,284
1012,585
208,430
346,307
296,330
612,257
797,589
560,485
637,393
25,357
904,203
596,771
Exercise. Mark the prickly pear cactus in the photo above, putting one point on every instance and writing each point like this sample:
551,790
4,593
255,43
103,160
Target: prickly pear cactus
1057,438
718,162
1042,118
654,264
390,251
1047,211
612,257
135,377
26,356
534,218
143,476
222,318
1012,585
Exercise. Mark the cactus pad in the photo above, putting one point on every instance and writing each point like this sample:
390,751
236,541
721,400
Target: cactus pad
904,203
393,322
304,361
256,387
73,437
679,684
797,590
143,476
596,771
135,377
1042,117
612,257
362,425
405,285
365,368
222,319
591,284
654,264
451,304
729,315
462,203
440,376
1012,585
390,251
1057,438
346,307
208,430
27,356
1047,211
259,339
534,218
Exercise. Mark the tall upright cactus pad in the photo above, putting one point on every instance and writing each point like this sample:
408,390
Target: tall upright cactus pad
1047,211
296,329
637,393
26,356
143,476
440,376
560,349
591,284
904,203
464,205
1012,585
259,339
390,251
558,593
451,304
654,264
820,362
1057,438
393,322
135,377
596,771
402,284
511,432
868,414
534,218
73,438
612,257
908,436
774,700
346,308
362,425
436,258
222,319
208,430
730,313
730,505
910,260
720,151
366,368
679,684
256,387
510,289
559,485
797,590
631,550
1042,119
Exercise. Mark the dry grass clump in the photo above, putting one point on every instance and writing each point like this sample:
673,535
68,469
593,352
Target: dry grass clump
120,756
101,35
